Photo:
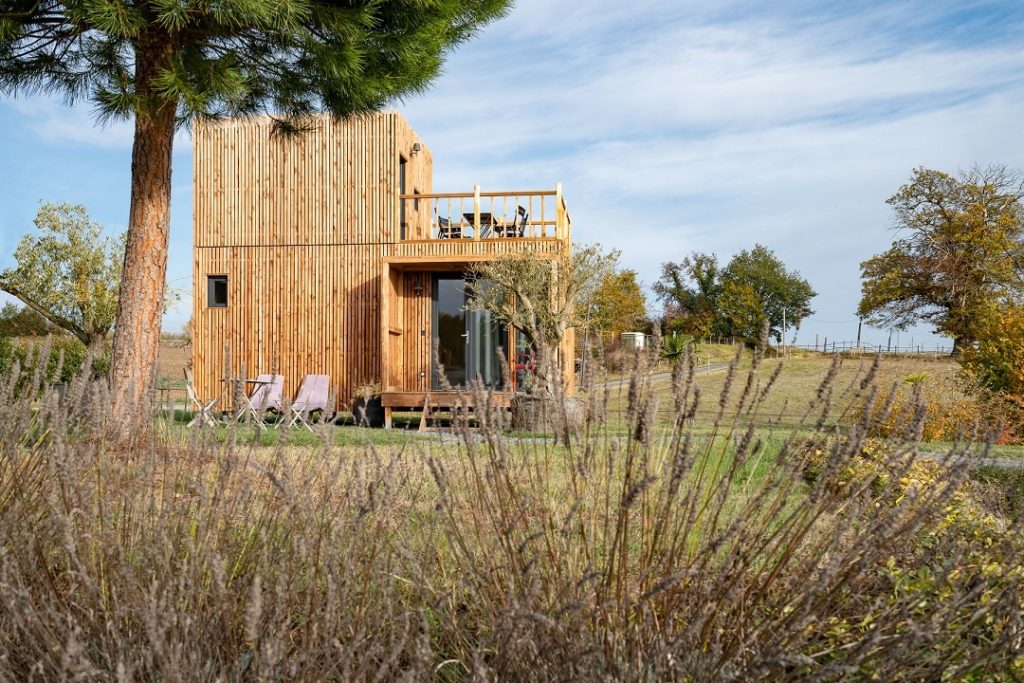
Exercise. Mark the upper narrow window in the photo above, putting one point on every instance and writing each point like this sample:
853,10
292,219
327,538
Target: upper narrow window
402,166
217,291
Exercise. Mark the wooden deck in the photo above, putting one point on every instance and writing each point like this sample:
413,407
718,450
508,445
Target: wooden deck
440,399
426,402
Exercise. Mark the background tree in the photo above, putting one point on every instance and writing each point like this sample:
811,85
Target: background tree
757,288
689,291
68,273
22,321
742,314
542,298
701,298
619,304
962,253
165,62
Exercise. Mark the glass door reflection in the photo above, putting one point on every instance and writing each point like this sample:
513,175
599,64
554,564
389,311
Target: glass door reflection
468,343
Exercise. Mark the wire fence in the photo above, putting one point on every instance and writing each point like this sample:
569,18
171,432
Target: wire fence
862,347
852,347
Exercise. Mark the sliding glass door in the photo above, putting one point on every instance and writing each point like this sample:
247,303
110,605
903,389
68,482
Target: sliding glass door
467,342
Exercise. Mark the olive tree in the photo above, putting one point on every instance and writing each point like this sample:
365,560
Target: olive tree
543,297
68,272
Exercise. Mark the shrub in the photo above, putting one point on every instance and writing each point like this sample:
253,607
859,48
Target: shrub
926,408
674,348
617,358
1002,489
996,366
59,359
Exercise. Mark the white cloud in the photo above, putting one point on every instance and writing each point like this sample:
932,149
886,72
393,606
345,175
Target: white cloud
56,123
719,126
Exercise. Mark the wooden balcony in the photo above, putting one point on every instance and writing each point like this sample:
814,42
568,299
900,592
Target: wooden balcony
457,217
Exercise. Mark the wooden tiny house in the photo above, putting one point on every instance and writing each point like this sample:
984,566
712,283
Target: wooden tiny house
330,253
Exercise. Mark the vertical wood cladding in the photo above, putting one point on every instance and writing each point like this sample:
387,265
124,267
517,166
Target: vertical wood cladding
300,226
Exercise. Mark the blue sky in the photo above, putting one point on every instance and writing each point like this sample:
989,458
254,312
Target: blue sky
673,127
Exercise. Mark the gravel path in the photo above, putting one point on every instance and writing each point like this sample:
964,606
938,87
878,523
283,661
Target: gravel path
1001,463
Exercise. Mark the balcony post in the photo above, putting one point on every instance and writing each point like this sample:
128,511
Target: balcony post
559,213
476,212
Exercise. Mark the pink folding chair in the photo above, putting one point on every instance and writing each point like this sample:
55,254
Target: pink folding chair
266,396
202,408
313,396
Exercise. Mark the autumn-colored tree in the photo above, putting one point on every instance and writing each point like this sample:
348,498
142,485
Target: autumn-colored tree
165,62
619,304
689,291
996,360
68,273
960,257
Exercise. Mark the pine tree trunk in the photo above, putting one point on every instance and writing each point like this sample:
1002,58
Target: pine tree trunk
141,302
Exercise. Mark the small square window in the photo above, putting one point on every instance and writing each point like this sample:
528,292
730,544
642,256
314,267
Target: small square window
217,291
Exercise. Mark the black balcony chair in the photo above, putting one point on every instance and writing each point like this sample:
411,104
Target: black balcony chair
445,229
519,223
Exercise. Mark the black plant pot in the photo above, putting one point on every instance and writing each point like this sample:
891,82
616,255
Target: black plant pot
368,413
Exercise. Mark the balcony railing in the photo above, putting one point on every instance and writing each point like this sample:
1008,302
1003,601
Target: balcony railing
530,214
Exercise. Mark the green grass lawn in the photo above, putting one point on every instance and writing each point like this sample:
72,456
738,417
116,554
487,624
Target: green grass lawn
345,434
782,410
786,407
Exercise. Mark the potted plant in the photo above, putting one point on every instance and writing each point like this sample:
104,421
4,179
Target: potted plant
366,408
